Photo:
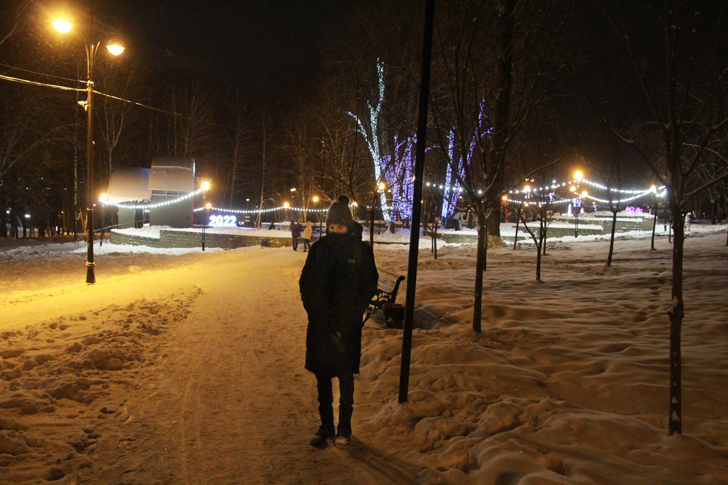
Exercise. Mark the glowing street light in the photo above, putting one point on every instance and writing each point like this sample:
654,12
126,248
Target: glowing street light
578,176
91,46
62,25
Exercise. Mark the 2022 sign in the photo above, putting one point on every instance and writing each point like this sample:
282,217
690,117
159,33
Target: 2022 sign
226,221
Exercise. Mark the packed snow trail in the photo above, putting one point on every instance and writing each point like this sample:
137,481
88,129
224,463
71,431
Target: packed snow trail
227,399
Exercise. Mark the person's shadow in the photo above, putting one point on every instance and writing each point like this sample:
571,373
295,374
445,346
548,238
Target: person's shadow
385,468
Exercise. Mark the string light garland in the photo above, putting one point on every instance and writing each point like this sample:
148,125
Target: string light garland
261,211
547,189
154,206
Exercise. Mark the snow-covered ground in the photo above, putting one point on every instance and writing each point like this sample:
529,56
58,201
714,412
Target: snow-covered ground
567,383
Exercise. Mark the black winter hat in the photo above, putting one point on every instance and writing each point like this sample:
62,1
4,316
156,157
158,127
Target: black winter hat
339,212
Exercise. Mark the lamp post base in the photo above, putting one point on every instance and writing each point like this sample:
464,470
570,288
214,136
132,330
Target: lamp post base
90,274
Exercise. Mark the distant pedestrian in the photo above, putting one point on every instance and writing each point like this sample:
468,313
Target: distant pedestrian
295,233
688,220
306,237
272,226
337,283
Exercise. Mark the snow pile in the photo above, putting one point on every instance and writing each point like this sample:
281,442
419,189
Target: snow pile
74,368
568,382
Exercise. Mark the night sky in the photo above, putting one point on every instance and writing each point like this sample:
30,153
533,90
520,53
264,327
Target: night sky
269,45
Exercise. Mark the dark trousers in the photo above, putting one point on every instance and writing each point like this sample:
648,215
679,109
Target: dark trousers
306,244
326,399
295,242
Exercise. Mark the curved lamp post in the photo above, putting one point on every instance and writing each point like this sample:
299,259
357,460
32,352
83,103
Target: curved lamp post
91,46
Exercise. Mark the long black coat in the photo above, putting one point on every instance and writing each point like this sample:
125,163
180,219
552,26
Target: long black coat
337,283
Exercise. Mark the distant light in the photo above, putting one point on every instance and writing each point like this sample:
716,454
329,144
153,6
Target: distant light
115,49
578,175
286,205
572,188
315,199
103,197
27,216
584,193
293,189
205,185
208,206
527,188
62,25
505,197
381,186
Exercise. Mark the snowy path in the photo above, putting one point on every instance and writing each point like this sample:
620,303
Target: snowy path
227,399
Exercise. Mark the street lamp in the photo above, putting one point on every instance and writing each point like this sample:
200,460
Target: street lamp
321,216
103,198
205,186
208,206
63,26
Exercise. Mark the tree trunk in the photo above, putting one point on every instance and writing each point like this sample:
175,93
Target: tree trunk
654,224
676,314
479,264
611,239
518,220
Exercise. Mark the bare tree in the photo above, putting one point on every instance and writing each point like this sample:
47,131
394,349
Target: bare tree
678,100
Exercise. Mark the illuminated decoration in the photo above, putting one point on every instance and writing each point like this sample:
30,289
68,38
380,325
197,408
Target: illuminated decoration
636,210
371,136
452,192
223,221
261,211
158,204
62,25
398,173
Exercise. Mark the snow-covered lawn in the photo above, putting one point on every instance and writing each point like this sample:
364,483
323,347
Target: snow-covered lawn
567,384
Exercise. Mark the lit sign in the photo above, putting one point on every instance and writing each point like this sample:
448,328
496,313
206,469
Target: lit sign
637,210
225,221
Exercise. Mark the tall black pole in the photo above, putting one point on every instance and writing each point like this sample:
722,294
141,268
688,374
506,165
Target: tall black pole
90,265
417,202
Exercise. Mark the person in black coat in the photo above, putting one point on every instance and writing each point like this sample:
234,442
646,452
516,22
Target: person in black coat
337,283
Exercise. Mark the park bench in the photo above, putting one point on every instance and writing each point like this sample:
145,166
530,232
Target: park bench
387,288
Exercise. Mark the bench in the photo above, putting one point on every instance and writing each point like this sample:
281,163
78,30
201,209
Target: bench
387,288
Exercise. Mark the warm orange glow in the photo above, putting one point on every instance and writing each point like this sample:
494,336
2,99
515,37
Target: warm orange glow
62,25
572,189
285,204
584,193
205,185
103,197
505,197
115,49
315,199
578,175
381,186
527,188
208,206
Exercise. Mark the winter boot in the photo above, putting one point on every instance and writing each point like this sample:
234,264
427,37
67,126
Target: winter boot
319,438
326,430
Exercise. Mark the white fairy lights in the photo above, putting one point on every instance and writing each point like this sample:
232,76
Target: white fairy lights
154,206
262,211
